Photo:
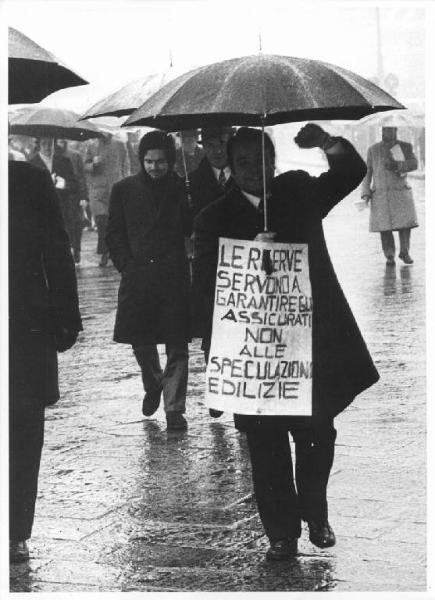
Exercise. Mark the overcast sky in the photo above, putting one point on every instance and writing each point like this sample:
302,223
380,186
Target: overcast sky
110,42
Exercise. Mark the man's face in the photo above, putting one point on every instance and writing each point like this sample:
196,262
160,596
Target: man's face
189,143
61,144
155,163
389,134
248,167
46,146
215,150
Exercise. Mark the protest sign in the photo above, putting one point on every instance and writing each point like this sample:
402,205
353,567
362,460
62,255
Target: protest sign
261,348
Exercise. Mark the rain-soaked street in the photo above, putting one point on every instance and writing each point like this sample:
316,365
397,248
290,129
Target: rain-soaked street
125,506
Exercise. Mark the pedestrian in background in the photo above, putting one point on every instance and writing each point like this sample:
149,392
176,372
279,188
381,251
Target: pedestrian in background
64,179
79,197
106,163
132,144
189,154
15,149
387,191
148,219
342,366
44,319
212,178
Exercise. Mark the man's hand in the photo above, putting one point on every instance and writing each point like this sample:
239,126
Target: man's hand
84,203
311,136
65,339
265,236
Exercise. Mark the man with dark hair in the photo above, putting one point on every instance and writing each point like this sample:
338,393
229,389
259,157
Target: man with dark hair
148,219
342,366
212,178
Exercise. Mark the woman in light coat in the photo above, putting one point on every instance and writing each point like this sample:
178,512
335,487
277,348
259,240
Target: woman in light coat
386,189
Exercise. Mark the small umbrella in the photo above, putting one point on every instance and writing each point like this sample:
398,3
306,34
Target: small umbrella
127,99
395,118
261,90
51,122
34,72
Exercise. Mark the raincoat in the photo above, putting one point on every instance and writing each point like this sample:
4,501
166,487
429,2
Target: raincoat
390,195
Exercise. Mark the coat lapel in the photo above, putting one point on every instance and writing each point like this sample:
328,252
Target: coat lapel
38,162
148,203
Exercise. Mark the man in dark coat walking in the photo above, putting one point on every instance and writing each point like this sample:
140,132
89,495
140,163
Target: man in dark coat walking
79,195
44,319
148,219
342,366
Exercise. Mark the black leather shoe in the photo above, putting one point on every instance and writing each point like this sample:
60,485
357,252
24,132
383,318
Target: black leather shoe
406,258
215,413
18,551
151,402
175,422
282,549
321,533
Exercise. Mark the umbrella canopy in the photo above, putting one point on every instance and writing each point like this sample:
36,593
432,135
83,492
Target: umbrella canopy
51,122
34,72
261,89
395,118
127,99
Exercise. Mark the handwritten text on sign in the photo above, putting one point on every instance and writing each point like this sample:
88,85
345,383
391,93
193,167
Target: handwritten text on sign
260,357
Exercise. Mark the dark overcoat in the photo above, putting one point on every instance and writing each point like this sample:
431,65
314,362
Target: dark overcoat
204,187
342,366
145,236
42,283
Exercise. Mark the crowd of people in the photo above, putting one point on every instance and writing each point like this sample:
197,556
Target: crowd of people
160,211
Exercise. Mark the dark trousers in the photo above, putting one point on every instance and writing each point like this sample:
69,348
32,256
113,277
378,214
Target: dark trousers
282,503
33,384
26,438
76,228
388,245
66,208
101,223
173,379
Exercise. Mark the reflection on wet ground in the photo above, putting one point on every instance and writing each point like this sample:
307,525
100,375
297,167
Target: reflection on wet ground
395,275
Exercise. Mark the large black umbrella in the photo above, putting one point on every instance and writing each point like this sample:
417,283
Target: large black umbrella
34,72
41,121
261,90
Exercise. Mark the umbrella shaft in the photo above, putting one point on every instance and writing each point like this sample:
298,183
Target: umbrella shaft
263,155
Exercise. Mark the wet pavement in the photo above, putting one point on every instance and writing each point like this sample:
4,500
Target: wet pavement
125,506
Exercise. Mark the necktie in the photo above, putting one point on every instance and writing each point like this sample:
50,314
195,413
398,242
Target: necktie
222,179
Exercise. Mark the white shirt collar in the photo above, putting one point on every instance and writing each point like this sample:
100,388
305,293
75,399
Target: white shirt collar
226,170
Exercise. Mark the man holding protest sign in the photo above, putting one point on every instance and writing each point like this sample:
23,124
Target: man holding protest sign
283,332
